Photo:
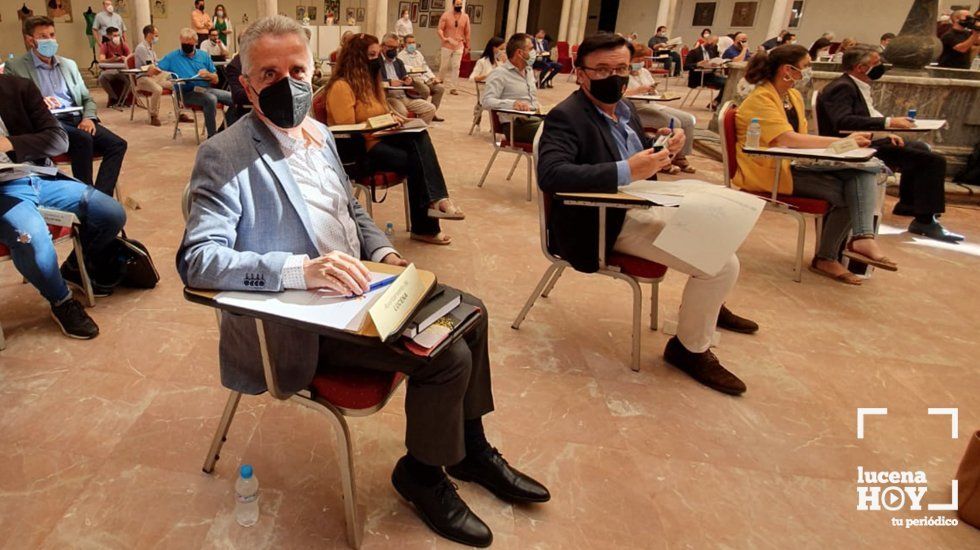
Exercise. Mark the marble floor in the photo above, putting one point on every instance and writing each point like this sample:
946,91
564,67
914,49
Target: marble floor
101,442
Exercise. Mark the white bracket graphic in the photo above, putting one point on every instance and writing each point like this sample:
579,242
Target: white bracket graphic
954,419
953,501
861,412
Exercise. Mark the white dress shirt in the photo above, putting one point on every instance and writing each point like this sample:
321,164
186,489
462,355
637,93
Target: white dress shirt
403,27
865,90
416,61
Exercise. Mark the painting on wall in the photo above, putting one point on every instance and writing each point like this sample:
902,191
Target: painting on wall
24,12
704,14
423,20
415,12
331,9
477,14
744,14
160,9
350,18
360,15
402,8
300,13
438,5
469,11
795,14
425,6
311,13
122,7
59,10
434,19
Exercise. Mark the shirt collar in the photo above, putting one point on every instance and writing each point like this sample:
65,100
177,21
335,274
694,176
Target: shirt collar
863,86
511,67
313,138
622,114
40,64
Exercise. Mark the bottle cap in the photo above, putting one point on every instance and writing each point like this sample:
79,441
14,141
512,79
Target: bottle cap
246,471
755,120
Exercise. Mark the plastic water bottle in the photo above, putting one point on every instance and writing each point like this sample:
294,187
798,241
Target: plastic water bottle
389,229
913,112
753,134
246,497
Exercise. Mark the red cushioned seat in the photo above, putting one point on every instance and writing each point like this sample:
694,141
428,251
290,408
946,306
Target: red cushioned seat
803,204
381,179
526,147
357,389
57,232
636,267
659,71
4,251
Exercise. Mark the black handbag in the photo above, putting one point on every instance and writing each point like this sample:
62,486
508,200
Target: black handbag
136,267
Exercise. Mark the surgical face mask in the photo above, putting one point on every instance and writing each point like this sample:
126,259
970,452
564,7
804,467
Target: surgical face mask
532,56
47,47
636,66
110,9
116,40
220,13
404,16
806,76
877,72
187,48
410,48
286,102
391,54
609,90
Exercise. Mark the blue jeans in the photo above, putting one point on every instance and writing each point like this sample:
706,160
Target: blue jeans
852,195
23,231
209,101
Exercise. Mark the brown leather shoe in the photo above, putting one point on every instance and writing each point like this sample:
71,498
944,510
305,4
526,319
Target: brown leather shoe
729,321
155,121
184,117
703,367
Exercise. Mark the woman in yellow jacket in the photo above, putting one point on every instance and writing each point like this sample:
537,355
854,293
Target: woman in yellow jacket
850,192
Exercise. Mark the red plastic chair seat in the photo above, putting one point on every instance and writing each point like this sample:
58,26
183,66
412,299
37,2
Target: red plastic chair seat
57,232
803,204
659,71
357,389
381,179
526,147
635,266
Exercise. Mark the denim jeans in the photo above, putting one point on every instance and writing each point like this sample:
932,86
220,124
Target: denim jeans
23,231
209,100
852,195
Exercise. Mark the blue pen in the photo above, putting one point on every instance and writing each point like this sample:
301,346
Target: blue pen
377,284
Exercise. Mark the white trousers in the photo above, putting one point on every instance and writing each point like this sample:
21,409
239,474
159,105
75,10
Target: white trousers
449,61
703,296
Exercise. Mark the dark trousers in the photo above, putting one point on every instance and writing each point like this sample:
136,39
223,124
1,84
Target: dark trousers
674,61
548,70
922,186
412,154
82,148
442,391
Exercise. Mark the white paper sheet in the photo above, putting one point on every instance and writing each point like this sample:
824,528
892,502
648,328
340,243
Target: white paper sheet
322,307
861,153
665,193
929,124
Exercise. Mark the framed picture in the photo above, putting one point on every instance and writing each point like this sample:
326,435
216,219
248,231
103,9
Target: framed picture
415,12
350,18
477,14
704,14
438,5
122,7
434,19
360,15
469,11
59,10
795,14
403,7
311,13
425,6
300,12
423,20
159,9
744,14
331,11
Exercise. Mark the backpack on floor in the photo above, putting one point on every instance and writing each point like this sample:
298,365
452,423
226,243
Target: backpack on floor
136,266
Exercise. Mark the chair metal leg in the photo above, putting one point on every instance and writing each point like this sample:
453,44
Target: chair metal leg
486,170
197,131
513,167
220,435
545,279
684,101
176,106
654,306
800,241
408,210
82,269
367,203
554,281
818,222
530,176
637,313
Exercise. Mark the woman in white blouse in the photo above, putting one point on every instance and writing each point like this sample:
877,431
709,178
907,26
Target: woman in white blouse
493,54
404,27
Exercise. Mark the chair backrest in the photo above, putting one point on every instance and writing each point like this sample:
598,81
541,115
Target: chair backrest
479,90
319,107
726,116
131,62
684,51
496,126
544,201
185,202
562,48
813,112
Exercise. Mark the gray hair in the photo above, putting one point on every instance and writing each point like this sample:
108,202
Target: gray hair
276,25
856,55
390,36
187,33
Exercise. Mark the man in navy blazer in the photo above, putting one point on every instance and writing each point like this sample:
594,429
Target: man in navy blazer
271,209
543,62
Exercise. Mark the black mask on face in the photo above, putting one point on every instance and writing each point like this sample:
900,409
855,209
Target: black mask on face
375,65
187,48
609,90
876,72
458,8
390,54
286,102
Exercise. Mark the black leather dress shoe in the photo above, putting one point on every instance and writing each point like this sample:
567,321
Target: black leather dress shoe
934,230
703,367
902,210
441,509
729,321
503,480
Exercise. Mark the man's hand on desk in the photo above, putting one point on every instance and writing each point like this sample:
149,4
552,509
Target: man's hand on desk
87,125
6,146
521,105
337,271
394,259
676,143
52,102
863,139
901,123
647,163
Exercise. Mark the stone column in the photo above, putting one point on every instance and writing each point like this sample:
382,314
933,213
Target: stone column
142,9
267,8
664,11
573,22
566,7
779,19
522,16
512,18
381,18
583,19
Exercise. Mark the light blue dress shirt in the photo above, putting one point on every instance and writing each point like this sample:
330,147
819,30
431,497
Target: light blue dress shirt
627,141
52,81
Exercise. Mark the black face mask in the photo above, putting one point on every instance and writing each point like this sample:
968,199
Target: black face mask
876,72
458,8
286,102
187,48
609,90
375,65
390,54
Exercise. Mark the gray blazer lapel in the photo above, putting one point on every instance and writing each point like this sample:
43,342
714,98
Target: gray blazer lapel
271,155
70,81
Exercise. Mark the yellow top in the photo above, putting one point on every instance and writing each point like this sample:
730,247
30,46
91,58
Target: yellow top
344,108
758,173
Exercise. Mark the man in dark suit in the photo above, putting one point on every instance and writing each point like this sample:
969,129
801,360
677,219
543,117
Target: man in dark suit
845,104
543,62
593,141
30,135
394,73
699,71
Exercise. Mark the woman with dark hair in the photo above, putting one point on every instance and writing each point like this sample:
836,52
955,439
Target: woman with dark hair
493,54
355,94
703,37
820,48
221,23
778,107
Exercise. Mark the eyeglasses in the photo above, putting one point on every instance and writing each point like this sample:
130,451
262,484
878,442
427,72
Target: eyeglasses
600,73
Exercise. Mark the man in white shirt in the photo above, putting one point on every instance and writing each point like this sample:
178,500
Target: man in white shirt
215,47
394,74
511,86
154,81
105,19
426,83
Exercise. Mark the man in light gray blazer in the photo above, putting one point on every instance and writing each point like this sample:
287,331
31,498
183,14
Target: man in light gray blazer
271,209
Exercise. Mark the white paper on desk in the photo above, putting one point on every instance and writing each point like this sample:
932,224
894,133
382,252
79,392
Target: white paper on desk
666,193
861,153
320,307
927,124
708,227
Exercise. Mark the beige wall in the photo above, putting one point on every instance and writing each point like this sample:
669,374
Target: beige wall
428,39
639,17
